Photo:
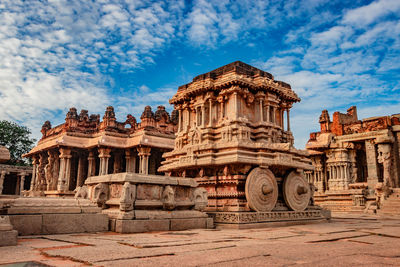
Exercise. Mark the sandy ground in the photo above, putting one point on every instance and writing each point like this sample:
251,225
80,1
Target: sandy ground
363,240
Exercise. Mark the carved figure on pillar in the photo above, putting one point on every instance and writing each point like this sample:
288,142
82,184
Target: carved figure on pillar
42,184
65,169
49,172
384,157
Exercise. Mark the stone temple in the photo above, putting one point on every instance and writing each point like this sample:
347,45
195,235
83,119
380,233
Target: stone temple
224,155
357,166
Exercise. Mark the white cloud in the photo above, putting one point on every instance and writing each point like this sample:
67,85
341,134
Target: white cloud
365,15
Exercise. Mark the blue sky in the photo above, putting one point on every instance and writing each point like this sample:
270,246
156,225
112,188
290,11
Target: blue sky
91,54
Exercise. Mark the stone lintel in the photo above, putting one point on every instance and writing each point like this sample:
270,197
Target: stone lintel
141,178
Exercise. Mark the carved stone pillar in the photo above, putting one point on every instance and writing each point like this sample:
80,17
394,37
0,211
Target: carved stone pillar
179,120
385,157
2,177
220,100
273,115
51,179
203,116
91,164
80,177
235,105
268,115
144,154
186,118
371,164
130,157
210,113
41,175
117,162
288,119
104,155
65,169
261,111
35,162
353,166
22,182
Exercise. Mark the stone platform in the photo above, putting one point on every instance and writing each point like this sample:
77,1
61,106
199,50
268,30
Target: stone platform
40,215
248,220
138,203
147,221
362,240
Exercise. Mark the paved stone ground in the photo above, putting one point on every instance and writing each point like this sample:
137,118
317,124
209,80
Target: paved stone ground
344,241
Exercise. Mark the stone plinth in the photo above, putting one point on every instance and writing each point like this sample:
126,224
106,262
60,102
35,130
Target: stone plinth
141,202
32,216
8,236
245,220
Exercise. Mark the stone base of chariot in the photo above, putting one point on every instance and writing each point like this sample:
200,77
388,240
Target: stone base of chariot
137,203
249,220
41,215
8,236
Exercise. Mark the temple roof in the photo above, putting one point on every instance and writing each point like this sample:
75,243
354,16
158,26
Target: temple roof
235,73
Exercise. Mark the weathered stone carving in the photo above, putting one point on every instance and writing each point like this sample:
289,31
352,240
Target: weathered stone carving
296,191
261,190
168,198
49,172
200,197
100,193
128,197
82,192
384,157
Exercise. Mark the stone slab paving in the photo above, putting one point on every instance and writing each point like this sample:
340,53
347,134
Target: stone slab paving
344,241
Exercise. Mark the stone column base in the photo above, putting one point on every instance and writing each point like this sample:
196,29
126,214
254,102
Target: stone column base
8,236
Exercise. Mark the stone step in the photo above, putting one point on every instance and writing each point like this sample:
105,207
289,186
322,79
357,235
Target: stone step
389,212
389,200
391,204
394,211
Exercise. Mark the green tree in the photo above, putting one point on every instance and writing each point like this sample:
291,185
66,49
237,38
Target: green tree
17,139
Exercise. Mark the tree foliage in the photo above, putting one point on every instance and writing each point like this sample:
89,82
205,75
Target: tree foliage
17,139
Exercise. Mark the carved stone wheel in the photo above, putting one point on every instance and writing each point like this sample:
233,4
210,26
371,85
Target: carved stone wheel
296,191
261,190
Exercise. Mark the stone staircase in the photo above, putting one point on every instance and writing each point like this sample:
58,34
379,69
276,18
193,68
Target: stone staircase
392,204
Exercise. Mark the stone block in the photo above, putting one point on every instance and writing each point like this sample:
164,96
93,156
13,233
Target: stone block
153,214
210,223
184,224
187,214
140,226
74,223
8,238
27,224
111,225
